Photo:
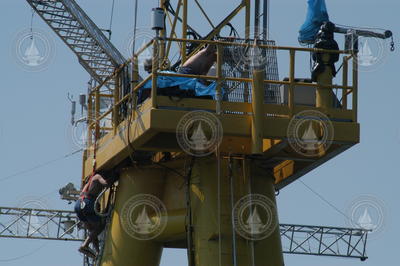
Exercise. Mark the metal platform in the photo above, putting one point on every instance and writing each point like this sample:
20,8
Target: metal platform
152,126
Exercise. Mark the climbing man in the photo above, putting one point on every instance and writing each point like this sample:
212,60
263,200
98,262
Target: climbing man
85,210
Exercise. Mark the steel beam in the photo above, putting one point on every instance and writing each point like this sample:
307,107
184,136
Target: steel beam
27,223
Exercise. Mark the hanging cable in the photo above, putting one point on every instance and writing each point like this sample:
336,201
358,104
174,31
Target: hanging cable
232,198
31,28
327,202
111,20
39,165
134,29
189,218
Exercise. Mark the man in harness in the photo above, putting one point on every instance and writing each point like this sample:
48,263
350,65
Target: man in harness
85,210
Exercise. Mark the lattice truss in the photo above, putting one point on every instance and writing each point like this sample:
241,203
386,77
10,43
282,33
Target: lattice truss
94,51
296,239
39,224
324,241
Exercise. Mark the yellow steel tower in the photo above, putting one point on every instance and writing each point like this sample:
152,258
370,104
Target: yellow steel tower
201,173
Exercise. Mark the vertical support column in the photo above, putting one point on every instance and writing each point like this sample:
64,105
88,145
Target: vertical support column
257,118
355,86
257,20
211,240
135,67
162,59
90,119
292,81
247,19
220,244
115,115
324,95
97,113
184,29
268,251
247,37
345,81
154,74
121,249
266,20
220,50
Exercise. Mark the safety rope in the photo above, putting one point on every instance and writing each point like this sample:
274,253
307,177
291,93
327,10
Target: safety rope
189,221
234,246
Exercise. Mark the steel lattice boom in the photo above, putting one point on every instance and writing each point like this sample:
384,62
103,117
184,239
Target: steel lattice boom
324,241
95,52
39,224
296,239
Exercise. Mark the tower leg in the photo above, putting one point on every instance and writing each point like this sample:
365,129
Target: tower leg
324,96
121,249
214,195
267,251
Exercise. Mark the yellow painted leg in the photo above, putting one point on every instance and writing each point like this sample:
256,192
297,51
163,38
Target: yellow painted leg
121,249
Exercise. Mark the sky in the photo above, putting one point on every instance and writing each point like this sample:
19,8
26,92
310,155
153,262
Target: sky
35,128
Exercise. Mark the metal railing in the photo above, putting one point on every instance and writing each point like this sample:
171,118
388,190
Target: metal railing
128,101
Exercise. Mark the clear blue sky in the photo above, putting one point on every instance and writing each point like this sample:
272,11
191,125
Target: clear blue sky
34,128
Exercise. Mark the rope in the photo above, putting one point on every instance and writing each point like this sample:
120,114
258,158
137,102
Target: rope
230,171
39,165
111,19
134,29
108,208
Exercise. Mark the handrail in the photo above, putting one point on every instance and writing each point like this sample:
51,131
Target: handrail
291,83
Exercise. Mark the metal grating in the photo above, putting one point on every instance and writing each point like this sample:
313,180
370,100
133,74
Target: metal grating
239,62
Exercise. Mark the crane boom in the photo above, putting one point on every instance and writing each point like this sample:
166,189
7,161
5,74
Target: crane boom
94,51
31,223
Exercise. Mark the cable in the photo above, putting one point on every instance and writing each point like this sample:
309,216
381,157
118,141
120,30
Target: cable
25,255
232,198
327,202
39,166
31,29
111,19
134,29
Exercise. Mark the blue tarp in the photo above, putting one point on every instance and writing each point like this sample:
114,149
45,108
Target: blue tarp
317,14
184,84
